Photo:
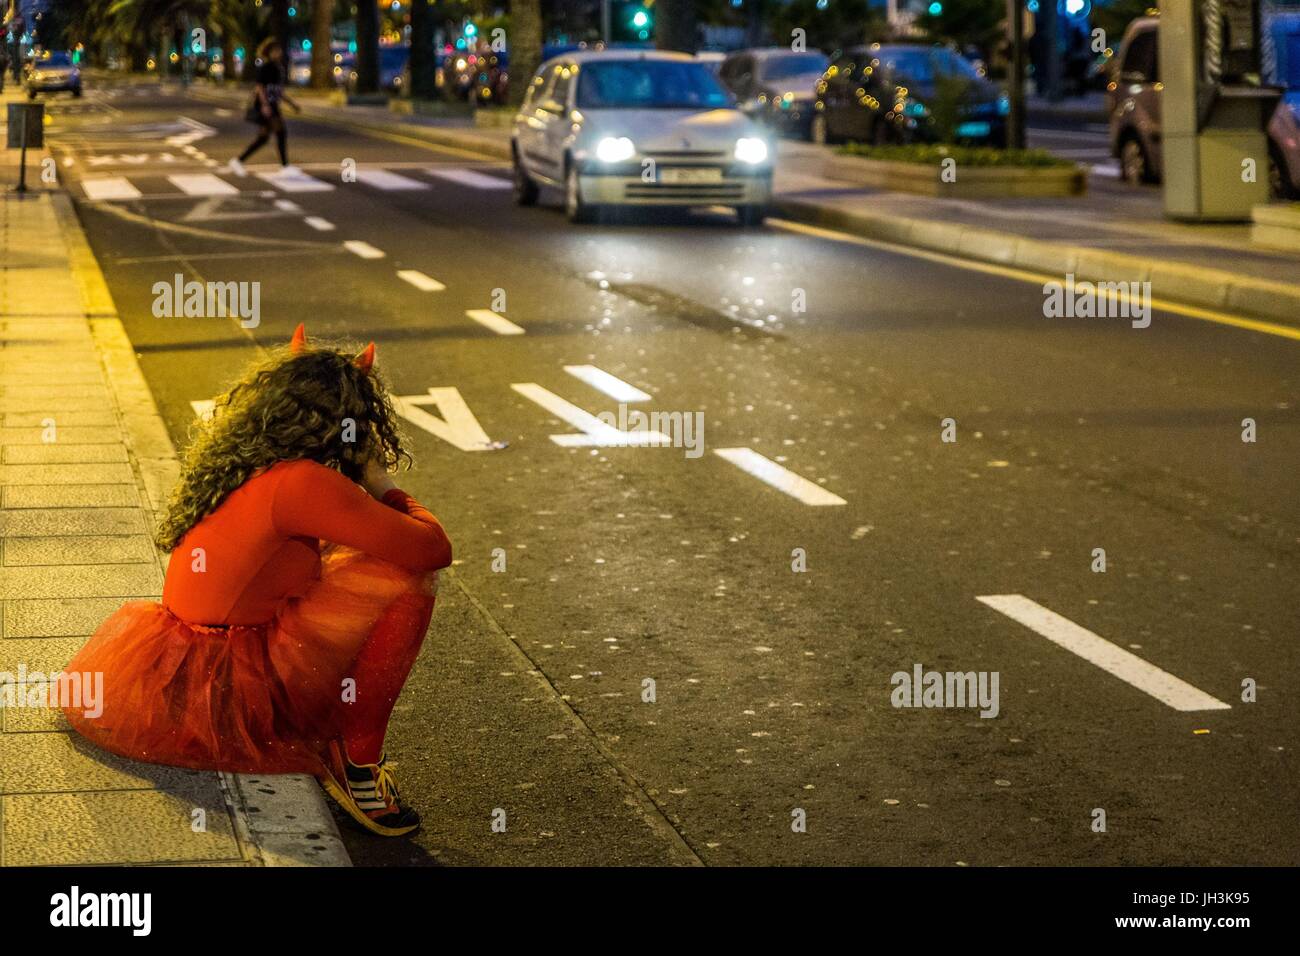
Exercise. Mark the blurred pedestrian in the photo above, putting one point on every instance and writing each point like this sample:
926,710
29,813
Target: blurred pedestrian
264,110
299,591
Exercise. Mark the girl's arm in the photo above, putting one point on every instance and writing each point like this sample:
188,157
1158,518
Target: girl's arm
311,500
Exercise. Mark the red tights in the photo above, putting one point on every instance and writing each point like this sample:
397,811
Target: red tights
380,670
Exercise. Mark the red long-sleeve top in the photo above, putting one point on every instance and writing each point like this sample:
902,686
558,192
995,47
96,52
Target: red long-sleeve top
263,542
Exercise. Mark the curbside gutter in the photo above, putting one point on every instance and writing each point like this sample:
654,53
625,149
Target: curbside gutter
282,820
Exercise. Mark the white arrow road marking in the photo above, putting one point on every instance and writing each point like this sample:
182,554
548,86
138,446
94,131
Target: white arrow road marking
108,188
296,182
611,385
202,184
203,408
421,281
1161,685
780,478
389,182
457,426
319,224
363,249
497,323
467,177
210,210
594,432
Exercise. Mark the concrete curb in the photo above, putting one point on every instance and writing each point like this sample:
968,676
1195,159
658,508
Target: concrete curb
284,820
1175,282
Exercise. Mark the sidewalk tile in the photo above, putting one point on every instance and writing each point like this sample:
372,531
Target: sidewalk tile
70,496
65,474
78,549
92,580
63,451
57,522
59,617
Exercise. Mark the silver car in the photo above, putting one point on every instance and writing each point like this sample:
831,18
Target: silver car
621,128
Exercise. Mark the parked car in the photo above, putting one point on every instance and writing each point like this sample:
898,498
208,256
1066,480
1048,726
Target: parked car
905,93
1133,102
777,86
52,72
617,128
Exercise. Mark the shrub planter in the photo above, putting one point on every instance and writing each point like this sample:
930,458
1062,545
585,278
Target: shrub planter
974,175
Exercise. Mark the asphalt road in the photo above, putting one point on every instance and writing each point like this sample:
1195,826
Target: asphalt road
772,687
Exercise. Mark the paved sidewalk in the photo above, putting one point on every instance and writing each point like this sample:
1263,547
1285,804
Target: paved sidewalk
84,460
1111,234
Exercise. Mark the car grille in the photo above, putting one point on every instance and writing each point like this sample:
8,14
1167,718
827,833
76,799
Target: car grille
686,156
696,192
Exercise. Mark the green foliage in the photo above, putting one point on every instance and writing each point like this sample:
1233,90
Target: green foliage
966,22
931,154
843,23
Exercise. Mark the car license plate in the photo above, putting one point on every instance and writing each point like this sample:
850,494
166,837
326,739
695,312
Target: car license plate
682,175
973,129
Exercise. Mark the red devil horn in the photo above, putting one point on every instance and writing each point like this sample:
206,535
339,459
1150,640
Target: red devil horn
299,340
365,358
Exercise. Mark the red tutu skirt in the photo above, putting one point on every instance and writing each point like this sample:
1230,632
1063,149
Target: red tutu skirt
247,699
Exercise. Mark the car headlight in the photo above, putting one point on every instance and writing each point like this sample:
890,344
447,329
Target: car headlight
615,149
751,149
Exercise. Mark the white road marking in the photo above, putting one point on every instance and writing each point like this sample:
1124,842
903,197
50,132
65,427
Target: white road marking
287,205
497,323
363,249
1131,669
319,224
457,426
203,409
594,432
780,478
202,184
611,385
467,177
110,187
1108,171
389,182
296,182
421,281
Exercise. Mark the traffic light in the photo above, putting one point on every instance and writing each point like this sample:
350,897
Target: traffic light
632,22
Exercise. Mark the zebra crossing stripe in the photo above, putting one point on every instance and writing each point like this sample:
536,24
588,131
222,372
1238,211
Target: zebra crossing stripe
388,182
202,184
468,177
108,188
295,182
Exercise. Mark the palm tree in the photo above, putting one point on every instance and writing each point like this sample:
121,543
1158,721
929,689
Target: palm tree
525,45
322,63
423,58
367,46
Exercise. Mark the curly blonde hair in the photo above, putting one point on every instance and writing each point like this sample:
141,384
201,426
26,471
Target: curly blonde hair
312,403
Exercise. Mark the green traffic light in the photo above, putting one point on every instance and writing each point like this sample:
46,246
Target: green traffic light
640,19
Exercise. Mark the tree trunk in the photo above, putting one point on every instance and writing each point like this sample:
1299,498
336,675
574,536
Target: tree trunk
367,46
279,25
322,59
424,59
525,46
227,58
675,25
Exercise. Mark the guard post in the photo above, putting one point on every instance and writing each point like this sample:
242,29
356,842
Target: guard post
26,128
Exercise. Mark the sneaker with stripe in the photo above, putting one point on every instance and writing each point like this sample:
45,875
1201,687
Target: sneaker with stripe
368,793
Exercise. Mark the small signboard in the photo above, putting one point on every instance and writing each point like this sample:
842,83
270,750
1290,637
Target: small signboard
26,118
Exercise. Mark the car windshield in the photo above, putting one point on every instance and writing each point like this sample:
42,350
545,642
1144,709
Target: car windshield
793,64
924,65
649,84
55,60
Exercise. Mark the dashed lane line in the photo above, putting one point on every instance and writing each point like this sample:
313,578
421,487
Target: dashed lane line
497,323
421,281
780,477
319,224
363,249
1130,668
